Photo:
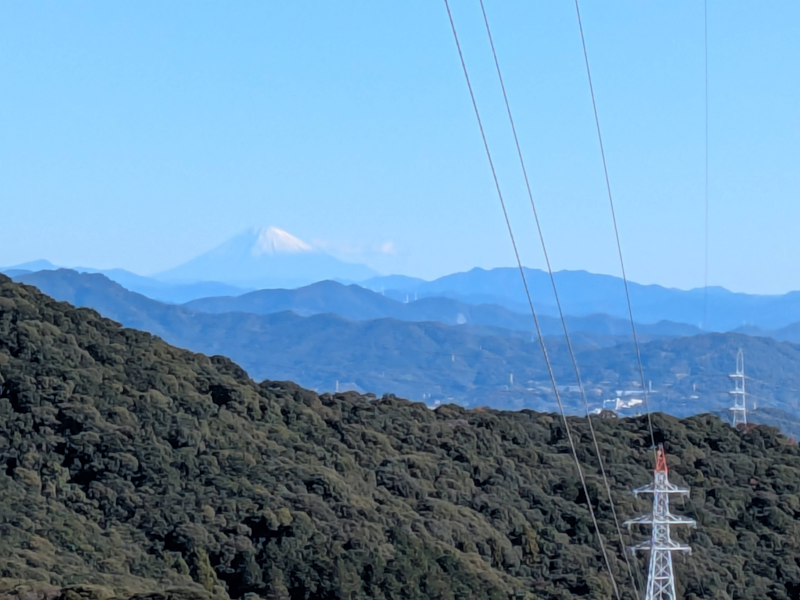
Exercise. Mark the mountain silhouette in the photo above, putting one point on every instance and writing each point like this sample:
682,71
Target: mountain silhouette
265,257
360,304
469,364
583,293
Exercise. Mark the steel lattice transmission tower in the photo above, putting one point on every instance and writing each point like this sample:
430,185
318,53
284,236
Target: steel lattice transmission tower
739,408
660,576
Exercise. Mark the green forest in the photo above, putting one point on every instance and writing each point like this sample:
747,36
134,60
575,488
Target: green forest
133,469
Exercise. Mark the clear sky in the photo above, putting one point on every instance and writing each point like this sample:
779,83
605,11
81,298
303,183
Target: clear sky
139,134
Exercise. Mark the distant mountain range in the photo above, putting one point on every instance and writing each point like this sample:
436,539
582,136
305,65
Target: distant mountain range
270,258
265,257
262,257
790,333
147,286
360,304
584,293
469,364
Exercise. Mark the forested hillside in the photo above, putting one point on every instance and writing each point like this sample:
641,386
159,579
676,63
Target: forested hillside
138,467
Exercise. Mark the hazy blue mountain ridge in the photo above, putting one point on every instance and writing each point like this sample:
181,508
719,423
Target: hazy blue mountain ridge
469,364
166,292
148,286
583,293
270,258
789,333
356,303
33,265
15,272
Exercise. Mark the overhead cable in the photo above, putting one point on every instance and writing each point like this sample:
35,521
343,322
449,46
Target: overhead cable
705,270
530,303
557,299
616,229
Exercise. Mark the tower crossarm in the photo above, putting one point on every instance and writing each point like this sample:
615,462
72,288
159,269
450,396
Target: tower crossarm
667,488
669,519
670,547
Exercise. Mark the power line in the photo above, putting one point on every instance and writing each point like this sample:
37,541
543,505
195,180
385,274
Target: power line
558,300
705,54
530,303
616,229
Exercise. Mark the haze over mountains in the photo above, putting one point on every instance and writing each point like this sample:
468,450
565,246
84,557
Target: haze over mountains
582,293
265,257
421,358
465,337
269,258
148,286
471,364
360,304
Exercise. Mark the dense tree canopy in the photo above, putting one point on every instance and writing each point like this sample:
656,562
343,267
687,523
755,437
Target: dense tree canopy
128,466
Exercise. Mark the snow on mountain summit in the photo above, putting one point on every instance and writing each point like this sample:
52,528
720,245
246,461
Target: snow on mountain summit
265,257
271,240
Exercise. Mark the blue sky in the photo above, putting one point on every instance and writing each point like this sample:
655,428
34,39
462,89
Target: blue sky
138,135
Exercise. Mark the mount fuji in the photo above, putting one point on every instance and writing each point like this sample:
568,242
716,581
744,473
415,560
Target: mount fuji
265,257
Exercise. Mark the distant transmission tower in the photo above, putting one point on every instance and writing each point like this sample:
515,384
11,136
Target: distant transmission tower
660,576
739,408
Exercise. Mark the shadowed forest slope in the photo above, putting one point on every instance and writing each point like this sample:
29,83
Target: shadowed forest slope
133,465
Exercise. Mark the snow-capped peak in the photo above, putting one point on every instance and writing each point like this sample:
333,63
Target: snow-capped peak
271,240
